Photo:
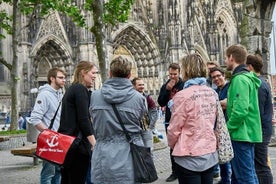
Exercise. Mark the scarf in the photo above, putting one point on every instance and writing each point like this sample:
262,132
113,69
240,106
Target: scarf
188,83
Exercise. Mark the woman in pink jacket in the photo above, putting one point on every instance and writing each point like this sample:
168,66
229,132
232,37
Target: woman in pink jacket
191,130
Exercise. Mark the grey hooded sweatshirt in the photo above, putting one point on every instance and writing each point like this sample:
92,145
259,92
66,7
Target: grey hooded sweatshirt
45,106
111,158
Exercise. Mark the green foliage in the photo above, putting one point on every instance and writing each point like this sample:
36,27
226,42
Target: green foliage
117,11
12,132
114,10
5,23
45,6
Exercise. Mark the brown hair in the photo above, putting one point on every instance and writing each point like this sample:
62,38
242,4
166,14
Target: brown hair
133,81
120,67
217,69
174,66
53,73
82,66
193,66
238,52
256,61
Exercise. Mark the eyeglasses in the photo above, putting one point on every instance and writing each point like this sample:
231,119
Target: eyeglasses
60,77
216,76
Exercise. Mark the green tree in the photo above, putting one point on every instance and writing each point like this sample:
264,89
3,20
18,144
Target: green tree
12,26
104,15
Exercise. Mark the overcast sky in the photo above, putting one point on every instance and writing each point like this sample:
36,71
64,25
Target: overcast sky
273,44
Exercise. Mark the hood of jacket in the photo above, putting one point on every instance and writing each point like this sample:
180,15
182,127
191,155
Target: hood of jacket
117,90
47,87
241,69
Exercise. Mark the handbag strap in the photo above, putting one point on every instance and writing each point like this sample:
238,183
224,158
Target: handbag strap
217,113
53,119
121,122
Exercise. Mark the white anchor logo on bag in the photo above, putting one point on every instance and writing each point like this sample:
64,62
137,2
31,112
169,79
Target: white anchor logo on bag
53,142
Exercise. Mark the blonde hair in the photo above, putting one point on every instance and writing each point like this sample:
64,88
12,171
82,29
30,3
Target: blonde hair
193,66
213,63
82,66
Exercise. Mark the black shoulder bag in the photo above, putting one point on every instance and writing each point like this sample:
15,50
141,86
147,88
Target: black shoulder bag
144,169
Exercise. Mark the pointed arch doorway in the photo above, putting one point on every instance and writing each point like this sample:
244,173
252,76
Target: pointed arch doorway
144,55
47,54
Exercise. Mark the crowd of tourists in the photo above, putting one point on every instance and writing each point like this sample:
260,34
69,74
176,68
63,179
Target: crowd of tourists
196,98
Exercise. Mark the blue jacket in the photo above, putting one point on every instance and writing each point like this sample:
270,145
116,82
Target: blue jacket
222,94
265,105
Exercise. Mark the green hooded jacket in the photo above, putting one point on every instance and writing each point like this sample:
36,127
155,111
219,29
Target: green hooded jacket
244,122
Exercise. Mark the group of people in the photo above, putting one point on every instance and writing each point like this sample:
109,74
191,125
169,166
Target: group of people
103,154
247,106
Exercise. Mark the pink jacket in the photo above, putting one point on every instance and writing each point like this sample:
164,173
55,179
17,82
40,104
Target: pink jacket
191,128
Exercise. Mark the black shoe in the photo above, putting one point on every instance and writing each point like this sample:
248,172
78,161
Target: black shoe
171,178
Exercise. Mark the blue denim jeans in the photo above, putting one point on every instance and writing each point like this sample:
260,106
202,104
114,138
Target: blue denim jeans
243,168
216,169
50,173
225,173
261,157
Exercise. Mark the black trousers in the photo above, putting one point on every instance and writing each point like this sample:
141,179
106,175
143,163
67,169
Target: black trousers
186,176
174,167
263,171
76,170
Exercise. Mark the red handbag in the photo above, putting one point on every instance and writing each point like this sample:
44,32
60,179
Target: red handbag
53,146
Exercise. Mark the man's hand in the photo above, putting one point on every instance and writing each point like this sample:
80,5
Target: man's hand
170,84
41,126
223,103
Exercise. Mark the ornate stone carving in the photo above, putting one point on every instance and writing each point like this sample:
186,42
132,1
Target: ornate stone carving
51,25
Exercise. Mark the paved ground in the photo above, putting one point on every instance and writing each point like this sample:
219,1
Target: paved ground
20,170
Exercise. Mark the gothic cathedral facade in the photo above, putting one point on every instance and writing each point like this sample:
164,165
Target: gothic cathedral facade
157,33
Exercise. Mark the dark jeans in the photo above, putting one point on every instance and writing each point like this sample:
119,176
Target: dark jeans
186,176
225,173
88,177
243,169
263,171
174,167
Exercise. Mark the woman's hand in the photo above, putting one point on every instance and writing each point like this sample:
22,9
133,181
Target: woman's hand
92,140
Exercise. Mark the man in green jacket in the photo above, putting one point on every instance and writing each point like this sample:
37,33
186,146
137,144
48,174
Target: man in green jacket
244,122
